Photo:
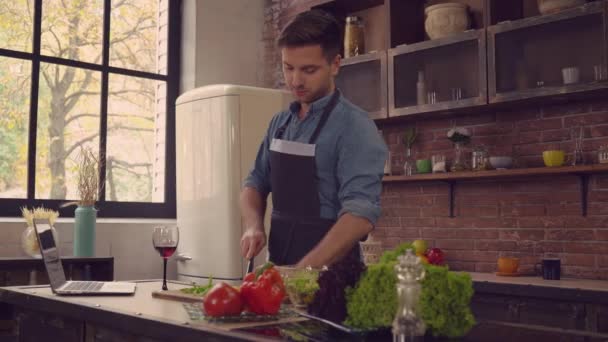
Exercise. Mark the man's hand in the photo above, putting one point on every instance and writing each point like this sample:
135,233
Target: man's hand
253,206
348,230
252,242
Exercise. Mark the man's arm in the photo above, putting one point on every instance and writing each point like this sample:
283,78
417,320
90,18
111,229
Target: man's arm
253,207
348,230
360,167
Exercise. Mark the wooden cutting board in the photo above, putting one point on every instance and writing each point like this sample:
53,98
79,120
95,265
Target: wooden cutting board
177,295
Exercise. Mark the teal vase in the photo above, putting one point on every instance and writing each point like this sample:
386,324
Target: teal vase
84,231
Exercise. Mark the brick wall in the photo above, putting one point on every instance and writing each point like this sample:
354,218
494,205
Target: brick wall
529,217
525,217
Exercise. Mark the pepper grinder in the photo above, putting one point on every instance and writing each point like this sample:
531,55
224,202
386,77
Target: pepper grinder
407,325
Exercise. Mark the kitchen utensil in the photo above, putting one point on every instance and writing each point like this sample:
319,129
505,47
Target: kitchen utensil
571,75
600,73
456,94
431,97
508,265
164,240
577,134
553,158
354,37
445,19
438,163
501,162
550,268
479,158
250,265
423,166
602,154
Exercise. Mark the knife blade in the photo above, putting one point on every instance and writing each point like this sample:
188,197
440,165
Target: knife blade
250,265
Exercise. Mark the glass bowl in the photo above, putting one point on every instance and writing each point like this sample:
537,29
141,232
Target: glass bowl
300,284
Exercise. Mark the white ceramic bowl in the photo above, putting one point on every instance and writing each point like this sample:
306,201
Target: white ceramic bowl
443,20
501,162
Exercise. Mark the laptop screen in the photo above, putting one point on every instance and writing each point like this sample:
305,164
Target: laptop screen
50,253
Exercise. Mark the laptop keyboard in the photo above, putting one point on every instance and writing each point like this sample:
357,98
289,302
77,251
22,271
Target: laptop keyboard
85,286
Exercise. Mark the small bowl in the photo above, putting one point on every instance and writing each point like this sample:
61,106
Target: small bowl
300,284
554,158
508,265
501,162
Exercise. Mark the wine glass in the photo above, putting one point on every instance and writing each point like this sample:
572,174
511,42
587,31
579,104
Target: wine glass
165,239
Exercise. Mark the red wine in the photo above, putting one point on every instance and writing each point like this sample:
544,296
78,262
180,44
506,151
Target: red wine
166,252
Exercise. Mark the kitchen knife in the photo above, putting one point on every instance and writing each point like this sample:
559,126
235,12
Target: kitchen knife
250,265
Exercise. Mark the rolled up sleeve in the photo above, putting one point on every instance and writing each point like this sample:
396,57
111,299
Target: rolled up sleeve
361,157
259,176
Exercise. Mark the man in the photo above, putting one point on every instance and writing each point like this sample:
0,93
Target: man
322,159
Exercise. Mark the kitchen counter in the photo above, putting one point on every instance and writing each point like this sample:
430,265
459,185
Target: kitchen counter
41,314
581,290
564,283
506,309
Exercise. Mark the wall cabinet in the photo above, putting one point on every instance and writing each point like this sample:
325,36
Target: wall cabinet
510,53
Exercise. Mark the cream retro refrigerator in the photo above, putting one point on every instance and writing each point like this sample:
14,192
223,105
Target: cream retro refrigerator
218,132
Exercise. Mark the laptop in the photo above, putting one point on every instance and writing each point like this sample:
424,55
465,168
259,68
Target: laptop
54,268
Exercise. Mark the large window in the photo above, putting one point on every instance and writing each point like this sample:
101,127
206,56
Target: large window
101,74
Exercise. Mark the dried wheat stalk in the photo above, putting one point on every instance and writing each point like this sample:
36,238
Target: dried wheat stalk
88,177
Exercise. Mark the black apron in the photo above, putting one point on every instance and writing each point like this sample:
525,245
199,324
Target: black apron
296,226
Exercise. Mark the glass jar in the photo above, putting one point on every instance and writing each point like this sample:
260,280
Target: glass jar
354,37
602,154
460,158
409,165
480,159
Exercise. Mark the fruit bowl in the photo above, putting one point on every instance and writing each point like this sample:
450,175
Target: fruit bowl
300,284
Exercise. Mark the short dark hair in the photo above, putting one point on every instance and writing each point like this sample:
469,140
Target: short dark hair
311,28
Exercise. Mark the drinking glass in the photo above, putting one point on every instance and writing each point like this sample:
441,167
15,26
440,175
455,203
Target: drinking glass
164,240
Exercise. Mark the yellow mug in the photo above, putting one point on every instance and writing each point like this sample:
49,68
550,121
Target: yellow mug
553,158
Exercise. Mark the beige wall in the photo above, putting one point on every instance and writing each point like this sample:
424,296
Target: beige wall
128,241
222,43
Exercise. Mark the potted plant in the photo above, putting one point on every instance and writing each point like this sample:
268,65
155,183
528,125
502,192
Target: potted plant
460,136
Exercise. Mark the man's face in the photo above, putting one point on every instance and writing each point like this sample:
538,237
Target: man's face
307,72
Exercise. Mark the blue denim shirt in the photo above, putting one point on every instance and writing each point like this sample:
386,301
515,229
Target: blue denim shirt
349,156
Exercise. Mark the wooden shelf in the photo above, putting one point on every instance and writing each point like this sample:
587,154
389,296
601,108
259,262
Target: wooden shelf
587,9
451,178
542,92
523,52
496,174
439,107
435,43
405,61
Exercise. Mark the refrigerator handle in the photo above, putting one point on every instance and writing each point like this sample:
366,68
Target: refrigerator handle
183,257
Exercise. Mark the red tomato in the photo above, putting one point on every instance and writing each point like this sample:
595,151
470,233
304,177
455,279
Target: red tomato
222,300
435,256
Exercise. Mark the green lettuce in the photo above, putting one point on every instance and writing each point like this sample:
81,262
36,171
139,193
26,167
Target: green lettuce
444,301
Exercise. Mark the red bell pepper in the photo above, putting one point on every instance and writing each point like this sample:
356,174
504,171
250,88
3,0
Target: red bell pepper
263,290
